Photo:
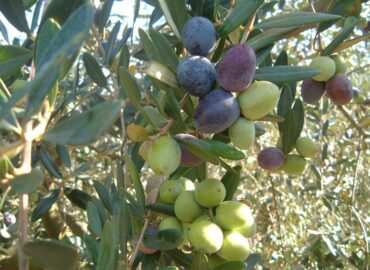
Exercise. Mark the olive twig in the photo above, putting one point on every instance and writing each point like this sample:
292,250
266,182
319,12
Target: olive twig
248,28
353,122
146,223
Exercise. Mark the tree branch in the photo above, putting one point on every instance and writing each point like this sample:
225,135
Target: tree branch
353,122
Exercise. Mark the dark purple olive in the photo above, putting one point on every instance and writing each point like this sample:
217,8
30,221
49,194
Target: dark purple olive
216,111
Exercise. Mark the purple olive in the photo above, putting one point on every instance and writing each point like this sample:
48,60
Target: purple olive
187,158
339,90
312,91
270,158
216,111
237,68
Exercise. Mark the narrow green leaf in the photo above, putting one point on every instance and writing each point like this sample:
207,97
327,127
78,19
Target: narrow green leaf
101,209
164,208
36,15
160,72
166,52
104,14
197,149
285,100
282,59
14,12
27,183
223,150
268,37
86,127
280,74
70,39
175,14
46,33
349,43
263,53
346,31
112,40
104,195
62,10
77,197
231,182
44,205
4,32
296,19
180,257
241,13
149,47
155,117
135,179
299,115
165,239
49,164
52,254
337,8
12,58
63,154
107,252
130,87
93,216
93,69
288,131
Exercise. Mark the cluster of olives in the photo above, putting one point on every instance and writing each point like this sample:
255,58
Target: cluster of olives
218,109
207,223
273,160
331,80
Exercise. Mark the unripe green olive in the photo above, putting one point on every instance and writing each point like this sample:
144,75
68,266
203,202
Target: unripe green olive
205,236
340,65
326,65
170,223
307,147
235,247
164,156
259,99
294,164
186,207
242,133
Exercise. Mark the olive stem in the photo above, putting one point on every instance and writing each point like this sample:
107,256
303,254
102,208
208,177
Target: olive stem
248,28
23,262
146,223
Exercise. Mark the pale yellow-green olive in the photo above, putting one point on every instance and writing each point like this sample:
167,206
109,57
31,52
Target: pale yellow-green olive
205,236
232,214
235,247
326,65
242,133
307,147
210,192
164,156
259,99
186,207
294,164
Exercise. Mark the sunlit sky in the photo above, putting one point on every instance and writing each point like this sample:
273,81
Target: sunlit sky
124,8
